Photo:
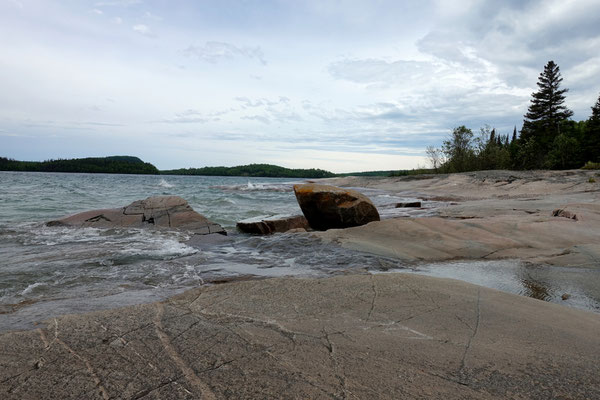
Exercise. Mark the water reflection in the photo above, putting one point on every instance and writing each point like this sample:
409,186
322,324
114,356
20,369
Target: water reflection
577,287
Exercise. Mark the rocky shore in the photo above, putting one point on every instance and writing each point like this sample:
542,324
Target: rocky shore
355,336
385,336
548,217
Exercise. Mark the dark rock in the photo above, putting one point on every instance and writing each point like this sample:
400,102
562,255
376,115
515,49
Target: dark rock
559,212
408,204
272,224
326,207
155,212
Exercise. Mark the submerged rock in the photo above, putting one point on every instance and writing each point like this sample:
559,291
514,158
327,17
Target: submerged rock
326,207
409,204
156,212
272,224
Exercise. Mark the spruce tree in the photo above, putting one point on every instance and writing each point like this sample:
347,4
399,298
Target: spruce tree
514,136
591,139
546,111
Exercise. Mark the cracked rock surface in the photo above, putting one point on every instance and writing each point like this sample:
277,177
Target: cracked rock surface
348,337
168,212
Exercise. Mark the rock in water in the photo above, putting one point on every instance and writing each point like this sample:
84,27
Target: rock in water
409,204
326,207
272,224
158,212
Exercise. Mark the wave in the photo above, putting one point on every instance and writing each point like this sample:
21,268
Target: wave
163,183
256,187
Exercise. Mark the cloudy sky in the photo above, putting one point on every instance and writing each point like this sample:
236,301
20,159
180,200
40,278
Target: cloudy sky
340,85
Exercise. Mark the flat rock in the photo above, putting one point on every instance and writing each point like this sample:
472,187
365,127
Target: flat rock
271,224
169,212
387,336
326,207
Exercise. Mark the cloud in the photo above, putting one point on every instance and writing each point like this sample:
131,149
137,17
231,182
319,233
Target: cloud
143,30
191,116
117,20
215,52
149,15
118,3
97,12
259,118
377,71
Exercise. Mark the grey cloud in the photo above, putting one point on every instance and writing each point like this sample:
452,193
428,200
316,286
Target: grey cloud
518,38
215,52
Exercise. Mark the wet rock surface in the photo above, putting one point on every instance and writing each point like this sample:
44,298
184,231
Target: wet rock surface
327,207
360,336
271,224
154,212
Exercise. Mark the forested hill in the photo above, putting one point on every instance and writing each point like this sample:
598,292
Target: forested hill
262,170
106,165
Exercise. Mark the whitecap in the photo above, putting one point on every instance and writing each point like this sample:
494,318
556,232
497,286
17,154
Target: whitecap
31,287
165,184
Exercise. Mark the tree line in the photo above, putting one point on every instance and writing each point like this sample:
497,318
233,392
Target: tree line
94,165
549,139
254,170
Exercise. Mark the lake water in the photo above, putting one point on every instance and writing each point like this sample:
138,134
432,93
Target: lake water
47,271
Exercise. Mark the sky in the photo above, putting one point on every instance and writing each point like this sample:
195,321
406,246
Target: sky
339,85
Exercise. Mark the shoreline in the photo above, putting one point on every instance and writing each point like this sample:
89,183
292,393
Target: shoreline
358,335
490,215
361,336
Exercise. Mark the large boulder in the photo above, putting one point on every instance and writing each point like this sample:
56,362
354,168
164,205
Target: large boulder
326,207
271,224
168,212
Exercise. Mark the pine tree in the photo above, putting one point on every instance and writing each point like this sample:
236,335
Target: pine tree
546,111
493,136
514,136
591,140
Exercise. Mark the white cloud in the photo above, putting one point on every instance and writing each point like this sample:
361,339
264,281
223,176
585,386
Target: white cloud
214,52
117,20
97,12
118,3
143,30
149,15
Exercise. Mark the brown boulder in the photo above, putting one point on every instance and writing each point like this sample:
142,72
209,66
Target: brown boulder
272,224
326,207
156,212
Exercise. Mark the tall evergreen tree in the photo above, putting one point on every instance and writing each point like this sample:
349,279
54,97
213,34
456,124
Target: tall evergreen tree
591,139
514,136
546,111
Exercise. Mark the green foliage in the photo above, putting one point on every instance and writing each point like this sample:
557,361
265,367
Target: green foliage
546,112
413,172
105,165
459,151
564,153
591,165
591,180
591,139
255,170
368,173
